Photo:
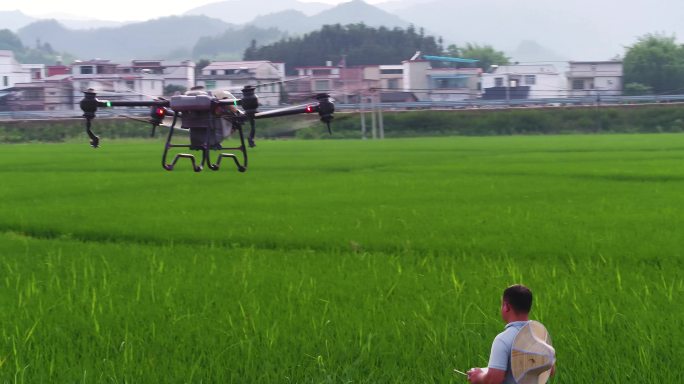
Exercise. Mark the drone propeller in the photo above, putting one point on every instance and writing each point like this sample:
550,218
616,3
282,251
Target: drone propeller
250,103
326,108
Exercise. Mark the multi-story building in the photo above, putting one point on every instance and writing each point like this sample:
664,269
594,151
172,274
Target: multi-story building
11,72
54,93
412,80
595,78
178,73
106,78
523,81
440,84
234,75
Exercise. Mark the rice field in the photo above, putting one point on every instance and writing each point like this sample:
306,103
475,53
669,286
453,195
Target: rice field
340,261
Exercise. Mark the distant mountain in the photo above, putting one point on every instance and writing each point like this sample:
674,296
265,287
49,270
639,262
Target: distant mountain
532,52
89,24
352,12
292,21
13,20
168,37
239,12
581,29
358,11
397,5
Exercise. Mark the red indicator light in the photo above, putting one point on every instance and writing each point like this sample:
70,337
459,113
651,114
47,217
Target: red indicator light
161,112
309,109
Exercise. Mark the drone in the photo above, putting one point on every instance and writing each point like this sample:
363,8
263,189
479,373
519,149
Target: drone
208,119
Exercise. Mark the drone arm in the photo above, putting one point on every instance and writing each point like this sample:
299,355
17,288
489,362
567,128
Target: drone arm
128,103
287,111
325,109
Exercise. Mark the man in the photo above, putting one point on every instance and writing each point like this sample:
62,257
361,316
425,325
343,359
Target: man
515,308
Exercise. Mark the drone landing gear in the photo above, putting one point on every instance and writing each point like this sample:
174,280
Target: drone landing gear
240,167
206,150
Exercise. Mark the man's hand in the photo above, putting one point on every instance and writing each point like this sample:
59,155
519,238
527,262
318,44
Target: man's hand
475,375
486,376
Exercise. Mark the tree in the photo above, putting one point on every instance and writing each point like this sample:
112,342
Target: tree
486,54
637,89
655,61
199,66
172,89
10,42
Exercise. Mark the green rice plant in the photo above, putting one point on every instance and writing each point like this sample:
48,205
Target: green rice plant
340,261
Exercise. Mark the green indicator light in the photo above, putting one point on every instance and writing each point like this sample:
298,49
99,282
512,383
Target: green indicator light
109,104
235,103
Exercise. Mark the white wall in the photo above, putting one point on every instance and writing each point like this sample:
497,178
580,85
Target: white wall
11,72
547,82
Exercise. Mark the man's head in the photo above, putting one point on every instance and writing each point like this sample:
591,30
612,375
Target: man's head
516,303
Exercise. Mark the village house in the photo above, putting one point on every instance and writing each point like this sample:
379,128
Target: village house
595,78
523,81
234,75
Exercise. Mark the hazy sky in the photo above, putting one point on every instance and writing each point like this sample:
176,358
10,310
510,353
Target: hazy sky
119,10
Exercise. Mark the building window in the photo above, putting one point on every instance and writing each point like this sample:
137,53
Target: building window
210,84
392,71
130,85
393,83
498,81
213,72
86,70
577,85
322,85
321,72
530,79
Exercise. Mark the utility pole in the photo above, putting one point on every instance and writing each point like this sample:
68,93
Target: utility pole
363,117
381,123
374,118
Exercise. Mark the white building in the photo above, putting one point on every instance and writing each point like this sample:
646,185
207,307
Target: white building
595,78
523,81
103,76
11,72
234,75
179,73
440,84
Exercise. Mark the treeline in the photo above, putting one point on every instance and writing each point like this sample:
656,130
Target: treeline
358,44
634,119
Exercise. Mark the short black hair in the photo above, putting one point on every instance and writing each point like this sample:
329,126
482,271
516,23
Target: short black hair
519,297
